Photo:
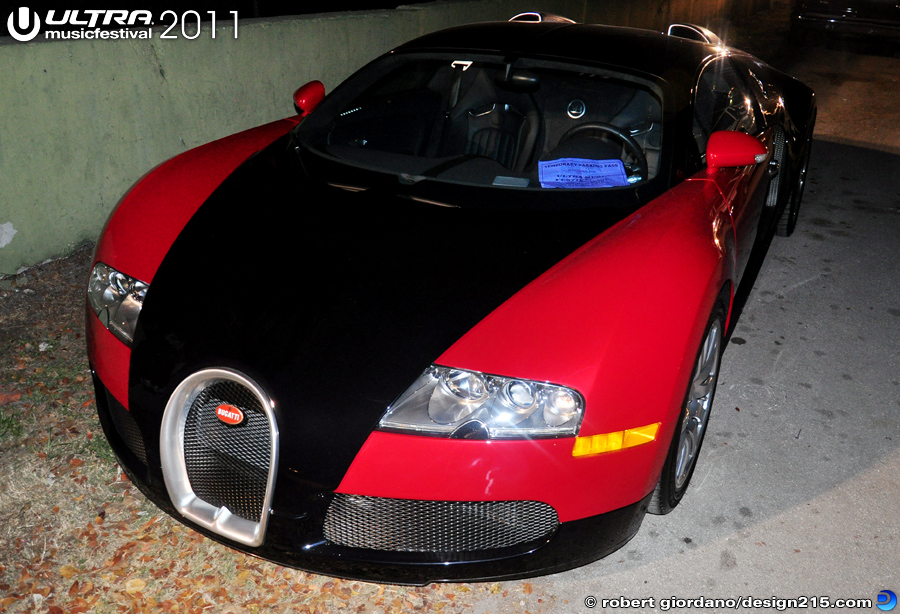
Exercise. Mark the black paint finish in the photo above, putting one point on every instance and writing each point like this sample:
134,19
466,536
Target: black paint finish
333,301
298,540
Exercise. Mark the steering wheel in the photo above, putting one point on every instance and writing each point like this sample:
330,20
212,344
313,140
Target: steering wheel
631,146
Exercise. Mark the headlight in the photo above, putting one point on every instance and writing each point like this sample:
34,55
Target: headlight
117,299
468,404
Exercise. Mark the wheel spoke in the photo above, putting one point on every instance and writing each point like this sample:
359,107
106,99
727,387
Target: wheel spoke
686,451
697,405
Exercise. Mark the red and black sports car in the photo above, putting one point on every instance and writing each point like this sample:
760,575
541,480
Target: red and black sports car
461,318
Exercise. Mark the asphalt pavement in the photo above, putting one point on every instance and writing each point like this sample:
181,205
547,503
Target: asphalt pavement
797,490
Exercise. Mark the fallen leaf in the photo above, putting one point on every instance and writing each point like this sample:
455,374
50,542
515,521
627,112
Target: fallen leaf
149,523
67,571
134,585
9,397
79,605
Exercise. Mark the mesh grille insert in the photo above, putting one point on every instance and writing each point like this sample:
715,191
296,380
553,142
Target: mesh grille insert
127,427
435,526
228,465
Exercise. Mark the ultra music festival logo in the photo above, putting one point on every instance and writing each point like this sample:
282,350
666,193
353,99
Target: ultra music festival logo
20,22
25,24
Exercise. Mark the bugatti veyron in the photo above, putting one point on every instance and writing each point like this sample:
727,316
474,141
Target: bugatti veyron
462,317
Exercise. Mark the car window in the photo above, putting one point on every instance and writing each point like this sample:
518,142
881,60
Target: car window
723,101
486,121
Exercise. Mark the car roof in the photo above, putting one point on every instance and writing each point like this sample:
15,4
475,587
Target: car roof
650,52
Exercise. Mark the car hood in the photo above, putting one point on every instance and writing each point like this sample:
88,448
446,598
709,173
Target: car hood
333,300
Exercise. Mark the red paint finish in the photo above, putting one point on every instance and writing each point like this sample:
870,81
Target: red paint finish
617,319
109,357
308,96
729,149
147,220
744,190
437,469
620,320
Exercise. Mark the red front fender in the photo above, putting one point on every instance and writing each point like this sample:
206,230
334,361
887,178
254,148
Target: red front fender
620,320
148,219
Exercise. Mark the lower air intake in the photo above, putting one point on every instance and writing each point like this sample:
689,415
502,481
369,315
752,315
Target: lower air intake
402,525
127,427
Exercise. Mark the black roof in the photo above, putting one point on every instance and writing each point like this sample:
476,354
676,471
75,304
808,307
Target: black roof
674,59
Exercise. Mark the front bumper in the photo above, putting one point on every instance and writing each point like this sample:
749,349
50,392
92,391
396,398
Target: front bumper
299,539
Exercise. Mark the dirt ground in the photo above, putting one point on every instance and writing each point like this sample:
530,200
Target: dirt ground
76,536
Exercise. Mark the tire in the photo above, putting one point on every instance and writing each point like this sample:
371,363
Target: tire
788,220
688,437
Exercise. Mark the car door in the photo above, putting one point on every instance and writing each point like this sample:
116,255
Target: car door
724,101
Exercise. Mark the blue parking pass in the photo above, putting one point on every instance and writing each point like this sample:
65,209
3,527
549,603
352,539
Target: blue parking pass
582,173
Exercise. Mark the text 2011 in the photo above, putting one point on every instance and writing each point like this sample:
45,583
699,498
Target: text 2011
189,22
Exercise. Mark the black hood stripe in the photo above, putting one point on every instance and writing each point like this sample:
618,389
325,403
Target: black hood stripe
333,300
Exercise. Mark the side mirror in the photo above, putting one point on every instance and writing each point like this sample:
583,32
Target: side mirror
308,96
727,149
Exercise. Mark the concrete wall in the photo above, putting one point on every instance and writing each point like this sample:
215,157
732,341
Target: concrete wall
81,121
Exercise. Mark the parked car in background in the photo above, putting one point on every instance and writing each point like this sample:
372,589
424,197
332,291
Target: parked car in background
861,18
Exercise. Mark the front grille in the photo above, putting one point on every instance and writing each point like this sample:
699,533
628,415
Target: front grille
436,526
228,465
220,476
127,427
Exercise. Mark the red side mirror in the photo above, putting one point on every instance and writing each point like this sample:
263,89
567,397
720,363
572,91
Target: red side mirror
726,149
308,96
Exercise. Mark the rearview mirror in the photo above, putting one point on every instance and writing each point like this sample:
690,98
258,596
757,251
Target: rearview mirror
519,80
728,149
308,96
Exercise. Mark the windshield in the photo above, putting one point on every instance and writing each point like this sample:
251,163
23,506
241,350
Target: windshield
483,121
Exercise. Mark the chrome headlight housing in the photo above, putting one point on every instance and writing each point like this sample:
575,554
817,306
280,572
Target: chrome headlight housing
472,405
117,299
